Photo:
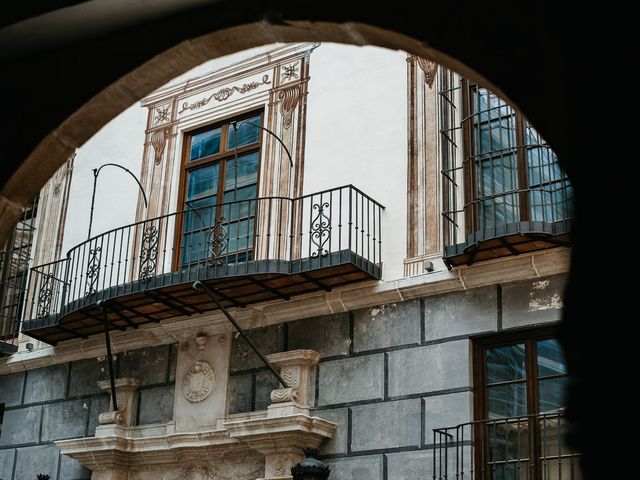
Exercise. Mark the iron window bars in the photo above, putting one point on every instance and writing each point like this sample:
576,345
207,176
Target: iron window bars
503,190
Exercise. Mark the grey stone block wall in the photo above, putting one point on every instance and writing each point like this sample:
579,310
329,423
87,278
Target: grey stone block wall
387,326
387,376
390,374
533,301
63,401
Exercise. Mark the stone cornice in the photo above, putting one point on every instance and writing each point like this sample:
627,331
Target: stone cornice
357,296
119,447
219,76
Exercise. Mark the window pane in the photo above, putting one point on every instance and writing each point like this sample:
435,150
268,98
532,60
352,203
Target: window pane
508,441
241,209
246,173
199,213
205,144
552,393
550,358
498,211
496,135
506,363
507,400
542,166
489,106
202,182
195,246
497,175
240,235
247,133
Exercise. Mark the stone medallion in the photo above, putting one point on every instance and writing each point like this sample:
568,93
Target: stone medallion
199,382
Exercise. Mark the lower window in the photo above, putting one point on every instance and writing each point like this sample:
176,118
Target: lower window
521,396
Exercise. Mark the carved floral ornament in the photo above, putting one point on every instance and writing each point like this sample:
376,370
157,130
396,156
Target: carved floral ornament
279,466
289,72
224,93
161,114
199,382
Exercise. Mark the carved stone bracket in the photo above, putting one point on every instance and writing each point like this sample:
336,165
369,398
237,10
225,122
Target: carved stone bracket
126,397
159,142
289,98
296,368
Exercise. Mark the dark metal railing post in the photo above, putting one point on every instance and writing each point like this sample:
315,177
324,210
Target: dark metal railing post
107,338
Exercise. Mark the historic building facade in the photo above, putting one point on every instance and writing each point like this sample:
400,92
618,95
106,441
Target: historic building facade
392,238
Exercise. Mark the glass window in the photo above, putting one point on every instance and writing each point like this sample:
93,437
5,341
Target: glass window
205,144
523,387
514,371
516,174
248,132
221,186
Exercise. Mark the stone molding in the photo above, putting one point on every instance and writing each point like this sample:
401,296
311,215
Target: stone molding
365,295
296,369
126,389
279,440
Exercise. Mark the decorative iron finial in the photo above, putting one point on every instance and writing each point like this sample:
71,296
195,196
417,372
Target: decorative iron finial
310,468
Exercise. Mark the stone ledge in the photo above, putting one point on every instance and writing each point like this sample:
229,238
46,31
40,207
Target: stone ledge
117,447
365,295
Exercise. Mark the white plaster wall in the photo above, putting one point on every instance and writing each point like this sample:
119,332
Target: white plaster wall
120,141
357,134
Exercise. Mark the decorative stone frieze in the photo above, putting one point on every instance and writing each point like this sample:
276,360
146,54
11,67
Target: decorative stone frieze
126,401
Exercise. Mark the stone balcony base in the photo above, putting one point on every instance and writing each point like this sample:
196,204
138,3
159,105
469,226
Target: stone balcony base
245,445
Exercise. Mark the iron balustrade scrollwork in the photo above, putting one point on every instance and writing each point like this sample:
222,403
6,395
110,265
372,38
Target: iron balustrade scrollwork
234,238
46,287
218,241
93,270
45,295
149,252
320,229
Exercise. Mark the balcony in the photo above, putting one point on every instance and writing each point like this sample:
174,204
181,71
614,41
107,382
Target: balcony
530,447
248,251
503,190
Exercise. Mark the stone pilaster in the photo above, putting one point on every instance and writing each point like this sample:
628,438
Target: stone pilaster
201,381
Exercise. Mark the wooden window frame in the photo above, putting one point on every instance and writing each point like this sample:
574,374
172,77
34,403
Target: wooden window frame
471,168
481,345
222,156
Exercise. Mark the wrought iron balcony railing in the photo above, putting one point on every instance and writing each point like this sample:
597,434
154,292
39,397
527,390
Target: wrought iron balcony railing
321,240
531,447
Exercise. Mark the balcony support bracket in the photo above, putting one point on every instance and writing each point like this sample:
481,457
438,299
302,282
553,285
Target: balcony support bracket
198,285
107,339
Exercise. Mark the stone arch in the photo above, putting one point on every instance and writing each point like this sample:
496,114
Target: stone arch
191,41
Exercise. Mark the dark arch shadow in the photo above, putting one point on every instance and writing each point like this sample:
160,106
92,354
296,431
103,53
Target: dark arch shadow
58,94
